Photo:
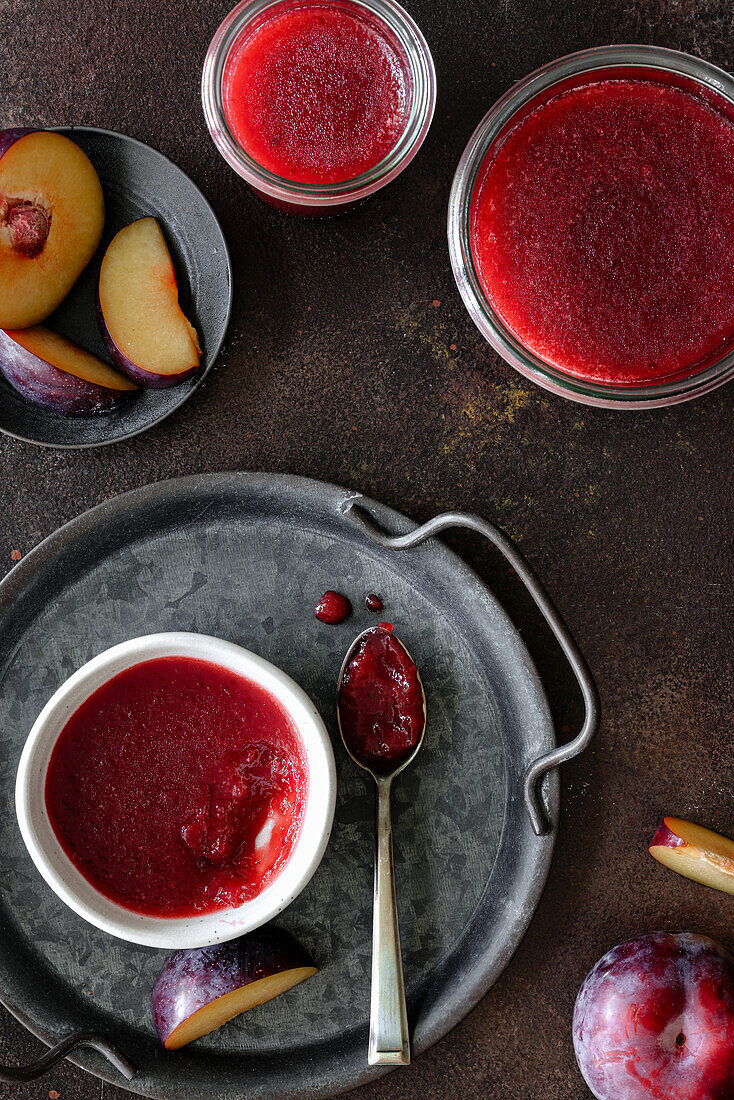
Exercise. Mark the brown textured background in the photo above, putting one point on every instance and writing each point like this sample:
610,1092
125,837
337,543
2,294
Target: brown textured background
350,358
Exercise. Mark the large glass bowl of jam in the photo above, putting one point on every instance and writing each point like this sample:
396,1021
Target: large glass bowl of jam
591,227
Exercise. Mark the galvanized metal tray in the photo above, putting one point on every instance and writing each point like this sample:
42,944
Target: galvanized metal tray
245,557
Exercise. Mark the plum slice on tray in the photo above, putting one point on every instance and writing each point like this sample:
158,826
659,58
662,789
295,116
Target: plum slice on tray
51,221
142,323
200,989
55,374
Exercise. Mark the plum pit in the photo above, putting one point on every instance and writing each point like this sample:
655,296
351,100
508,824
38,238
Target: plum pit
29,226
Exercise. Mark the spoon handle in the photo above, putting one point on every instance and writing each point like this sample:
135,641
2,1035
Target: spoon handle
389,1042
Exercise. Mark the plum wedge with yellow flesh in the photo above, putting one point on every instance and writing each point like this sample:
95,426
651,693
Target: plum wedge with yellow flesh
57,375
694,852
143,326
200,989
51,220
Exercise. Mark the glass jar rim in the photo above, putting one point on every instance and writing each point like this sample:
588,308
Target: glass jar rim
496,120
422,69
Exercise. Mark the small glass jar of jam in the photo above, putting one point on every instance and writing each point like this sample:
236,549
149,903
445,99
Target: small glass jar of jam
317,104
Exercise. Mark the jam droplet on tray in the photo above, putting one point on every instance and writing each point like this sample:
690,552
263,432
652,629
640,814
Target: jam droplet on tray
373,601
333,608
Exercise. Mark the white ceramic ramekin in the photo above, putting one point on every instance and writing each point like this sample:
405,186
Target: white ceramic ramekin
208,928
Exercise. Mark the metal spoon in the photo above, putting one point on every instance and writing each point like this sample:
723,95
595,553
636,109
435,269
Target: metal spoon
389,1043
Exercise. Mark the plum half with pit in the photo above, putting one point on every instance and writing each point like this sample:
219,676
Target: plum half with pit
654,1020
55,374
142,324
51,221
200,989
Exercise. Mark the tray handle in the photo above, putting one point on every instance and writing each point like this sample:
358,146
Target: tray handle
13,1075
535,772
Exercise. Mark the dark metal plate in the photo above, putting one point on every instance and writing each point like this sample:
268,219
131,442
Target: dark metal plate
245,556
136,181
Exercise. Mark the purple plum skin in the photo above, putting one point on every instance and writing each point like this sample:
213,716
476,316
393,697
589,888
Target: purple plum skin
654,1020
132,370
194,978
10,136
53,389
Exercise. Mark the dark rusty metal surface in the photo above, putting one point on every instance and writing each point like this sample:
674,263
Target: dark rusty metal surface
350,358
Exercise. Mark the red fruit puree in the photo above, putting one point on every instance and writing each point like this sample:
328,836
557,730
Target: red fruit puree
317,94
381,701
333,608
603,231
178,788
